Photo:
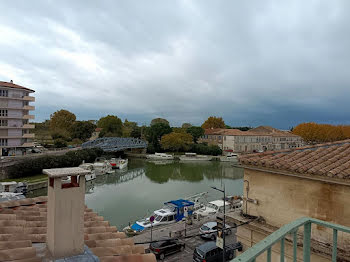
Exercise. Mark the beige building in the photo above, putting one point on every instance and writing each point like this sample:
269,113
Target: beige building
263,138
280,187
14,119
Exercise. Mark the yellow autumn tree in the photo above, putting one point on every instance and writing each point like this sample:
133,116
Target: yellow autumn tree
319,133
214,122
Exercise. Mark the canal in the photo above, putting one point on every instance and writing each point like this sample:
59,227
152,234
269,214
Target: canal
126,196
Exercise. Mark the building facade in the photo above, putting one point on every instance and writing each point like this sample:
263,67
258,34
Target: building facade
259,139
15,126
280,187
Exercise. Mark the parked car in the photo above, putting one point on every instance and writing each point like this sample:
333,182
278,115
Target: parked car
209,230
166,247
209,252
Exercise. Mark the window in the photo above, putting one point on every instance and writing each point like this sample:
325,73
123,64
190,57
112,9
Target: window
3,112
3,142
171,218
164,219
3,123
4,93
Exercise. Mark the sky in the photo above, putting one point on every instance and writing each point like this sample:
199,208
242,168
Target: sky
253,63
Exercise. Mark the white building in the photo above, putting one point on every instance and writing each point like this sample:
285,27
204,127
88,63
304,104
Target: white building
14,119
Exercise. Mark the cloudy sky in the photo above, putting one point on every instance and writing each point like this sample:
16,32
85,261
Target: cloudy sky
258,62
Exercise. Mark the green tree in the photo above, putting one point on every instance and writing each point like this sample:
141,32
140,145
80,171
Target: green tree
196,132
154,133
62,120
176,141
186,125
111,126
214,122
82,130
129,129
159,120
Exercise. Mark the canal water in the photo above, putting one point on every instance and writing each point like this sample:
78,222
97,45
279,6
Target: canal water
126,196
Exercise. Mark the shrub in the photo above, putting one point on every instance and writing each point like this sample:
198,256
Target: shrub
59,143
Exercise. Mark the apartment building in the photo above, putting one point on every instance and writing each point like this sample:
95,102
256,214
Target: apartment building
262,138
15,136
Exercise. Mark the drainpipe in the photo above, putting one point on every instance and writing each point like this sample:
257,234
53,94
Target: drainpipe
246,202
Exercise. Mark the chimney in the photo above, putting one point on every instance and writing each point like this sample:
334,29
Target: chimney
11,81
65,211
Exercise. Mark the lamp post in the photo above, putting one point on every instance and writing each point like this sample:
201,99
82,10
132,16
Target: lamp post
224,226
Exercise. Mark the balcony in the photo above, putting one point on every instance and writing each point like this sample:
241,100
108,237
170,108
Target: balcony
29,107
29,98
28,144
28,135
28,126
280,235
28,117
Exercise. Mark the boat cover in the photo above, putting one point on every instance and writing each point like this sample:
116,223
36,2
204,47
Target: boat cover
137,227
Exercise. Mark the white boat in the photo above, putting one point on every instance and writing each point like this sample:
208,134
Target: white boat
122,163
102,166
13,187
231,157
7,196
195,157
160,156
216,207
90,167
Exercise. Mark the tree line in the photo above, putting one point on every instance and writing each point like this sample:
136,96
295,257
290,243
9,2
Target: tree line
320,133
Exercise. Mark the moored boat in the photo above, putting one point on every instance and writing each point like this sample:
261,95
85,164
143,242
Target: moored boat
122,163
102,166
13,187
160,156
231,157
90,167
194,157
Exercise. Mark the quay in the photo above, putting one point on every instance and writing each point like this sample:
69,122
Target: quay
182,232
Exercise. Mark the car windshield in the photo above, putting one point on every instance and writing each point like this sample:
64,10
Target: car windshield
158,218
200,253
213,206
205,228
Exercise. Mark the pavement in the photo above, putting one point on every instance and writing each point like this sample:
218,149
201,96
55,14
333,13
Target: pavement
178,229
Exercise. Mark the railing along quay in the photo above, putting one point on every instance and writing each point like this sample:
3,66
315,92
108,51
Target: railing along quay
292,228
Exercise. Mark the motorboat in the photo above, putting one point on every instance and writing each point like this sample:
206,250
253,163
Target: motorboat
172,212
122,163
13,187
160,156
231,157
8,196
212,208
195,157
90,167
102,166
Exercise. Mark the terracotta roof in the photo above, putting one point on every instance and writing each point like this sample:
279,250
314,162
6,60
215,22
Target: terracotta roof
24,222
259,131
12,85
330,159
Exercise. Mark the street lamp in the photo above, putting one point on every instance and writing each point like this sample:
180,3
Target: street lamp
224,226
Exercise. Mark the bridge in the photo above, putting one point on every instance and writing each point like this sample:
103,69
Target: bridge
114,144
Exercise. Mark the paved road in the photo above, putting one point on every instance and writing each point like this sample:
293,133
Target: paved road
191,243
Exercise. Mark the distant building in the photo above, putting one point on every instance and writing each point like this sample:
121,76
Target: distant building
262,138
282,186
96,133
14,119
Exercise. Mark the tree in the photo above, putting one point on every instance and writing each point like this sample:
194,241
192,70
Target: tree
155,132
214,122
111,125
176,141
82,130
179,130
62,120
196,132
159,120
186,125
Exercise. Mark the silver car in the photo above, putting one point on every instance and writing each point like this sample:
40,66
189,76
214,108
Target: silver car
209,230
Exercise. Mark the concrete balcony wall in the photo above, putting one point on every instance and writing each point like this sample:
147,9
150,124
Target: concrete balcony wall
28,135
28,144
28,117
29,107
29,126
29,98
15,132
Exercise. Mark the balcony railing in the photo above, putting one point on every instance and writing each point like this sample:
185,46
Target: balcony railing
28,117
28,126
29,98
292,228
29,107
28,135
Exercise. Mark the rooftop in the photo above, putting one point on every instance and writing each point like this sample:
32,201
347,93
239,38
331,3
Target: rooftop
258,131
23,227
12,85
330,159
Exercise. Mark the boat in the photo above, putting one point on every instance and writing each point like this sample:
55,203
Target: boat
195,157
13,187
231,157
172,212
122,163
90,167
212,208
160,156
8,196
102,166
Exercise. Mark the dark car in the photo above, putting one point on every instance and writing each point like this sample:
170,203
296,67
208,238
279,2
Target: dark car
166,247
209,252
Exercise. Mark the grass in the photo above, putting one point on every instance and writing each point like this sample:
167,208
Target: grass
29,179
